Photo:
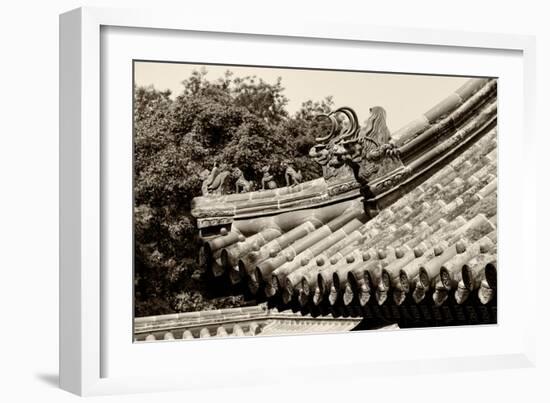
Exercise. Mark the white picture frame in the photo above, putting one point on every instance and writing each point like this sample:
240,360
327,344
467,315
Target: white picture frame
83,305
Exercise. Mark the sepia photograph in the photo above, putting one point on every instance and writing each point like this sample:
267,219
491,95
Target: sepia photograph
275,201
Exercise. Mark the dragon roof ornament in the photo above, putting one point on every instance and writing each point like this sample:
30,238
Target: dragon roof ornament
366,152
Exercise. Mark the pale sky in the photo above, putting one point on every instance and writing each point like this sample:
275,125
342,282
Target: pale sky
404,96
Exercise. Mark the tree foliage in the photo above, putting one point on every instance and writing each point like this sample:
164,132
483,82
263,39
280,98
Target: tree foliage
240,122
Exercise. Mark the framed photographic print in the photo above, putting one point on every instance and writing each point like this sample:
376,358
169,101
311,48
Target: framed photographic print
331,186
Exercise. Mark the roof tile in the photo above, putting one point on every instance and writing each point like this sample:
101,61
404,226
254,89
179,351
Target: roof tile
438,237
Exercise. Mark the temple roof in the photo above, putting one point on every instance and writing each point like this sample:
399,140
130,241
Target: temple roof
426,232
470,107
246,321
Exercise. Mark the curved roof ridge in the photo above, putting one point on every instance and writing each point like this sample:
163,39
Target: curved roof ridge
441,110
451,113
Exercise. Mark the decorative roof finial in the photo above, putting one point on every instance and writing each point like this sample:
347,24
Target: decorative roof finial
368,151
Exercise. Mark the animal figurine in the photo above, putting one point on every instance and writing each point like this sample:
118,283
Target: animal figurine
292,177
241,184
216,181
267,179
